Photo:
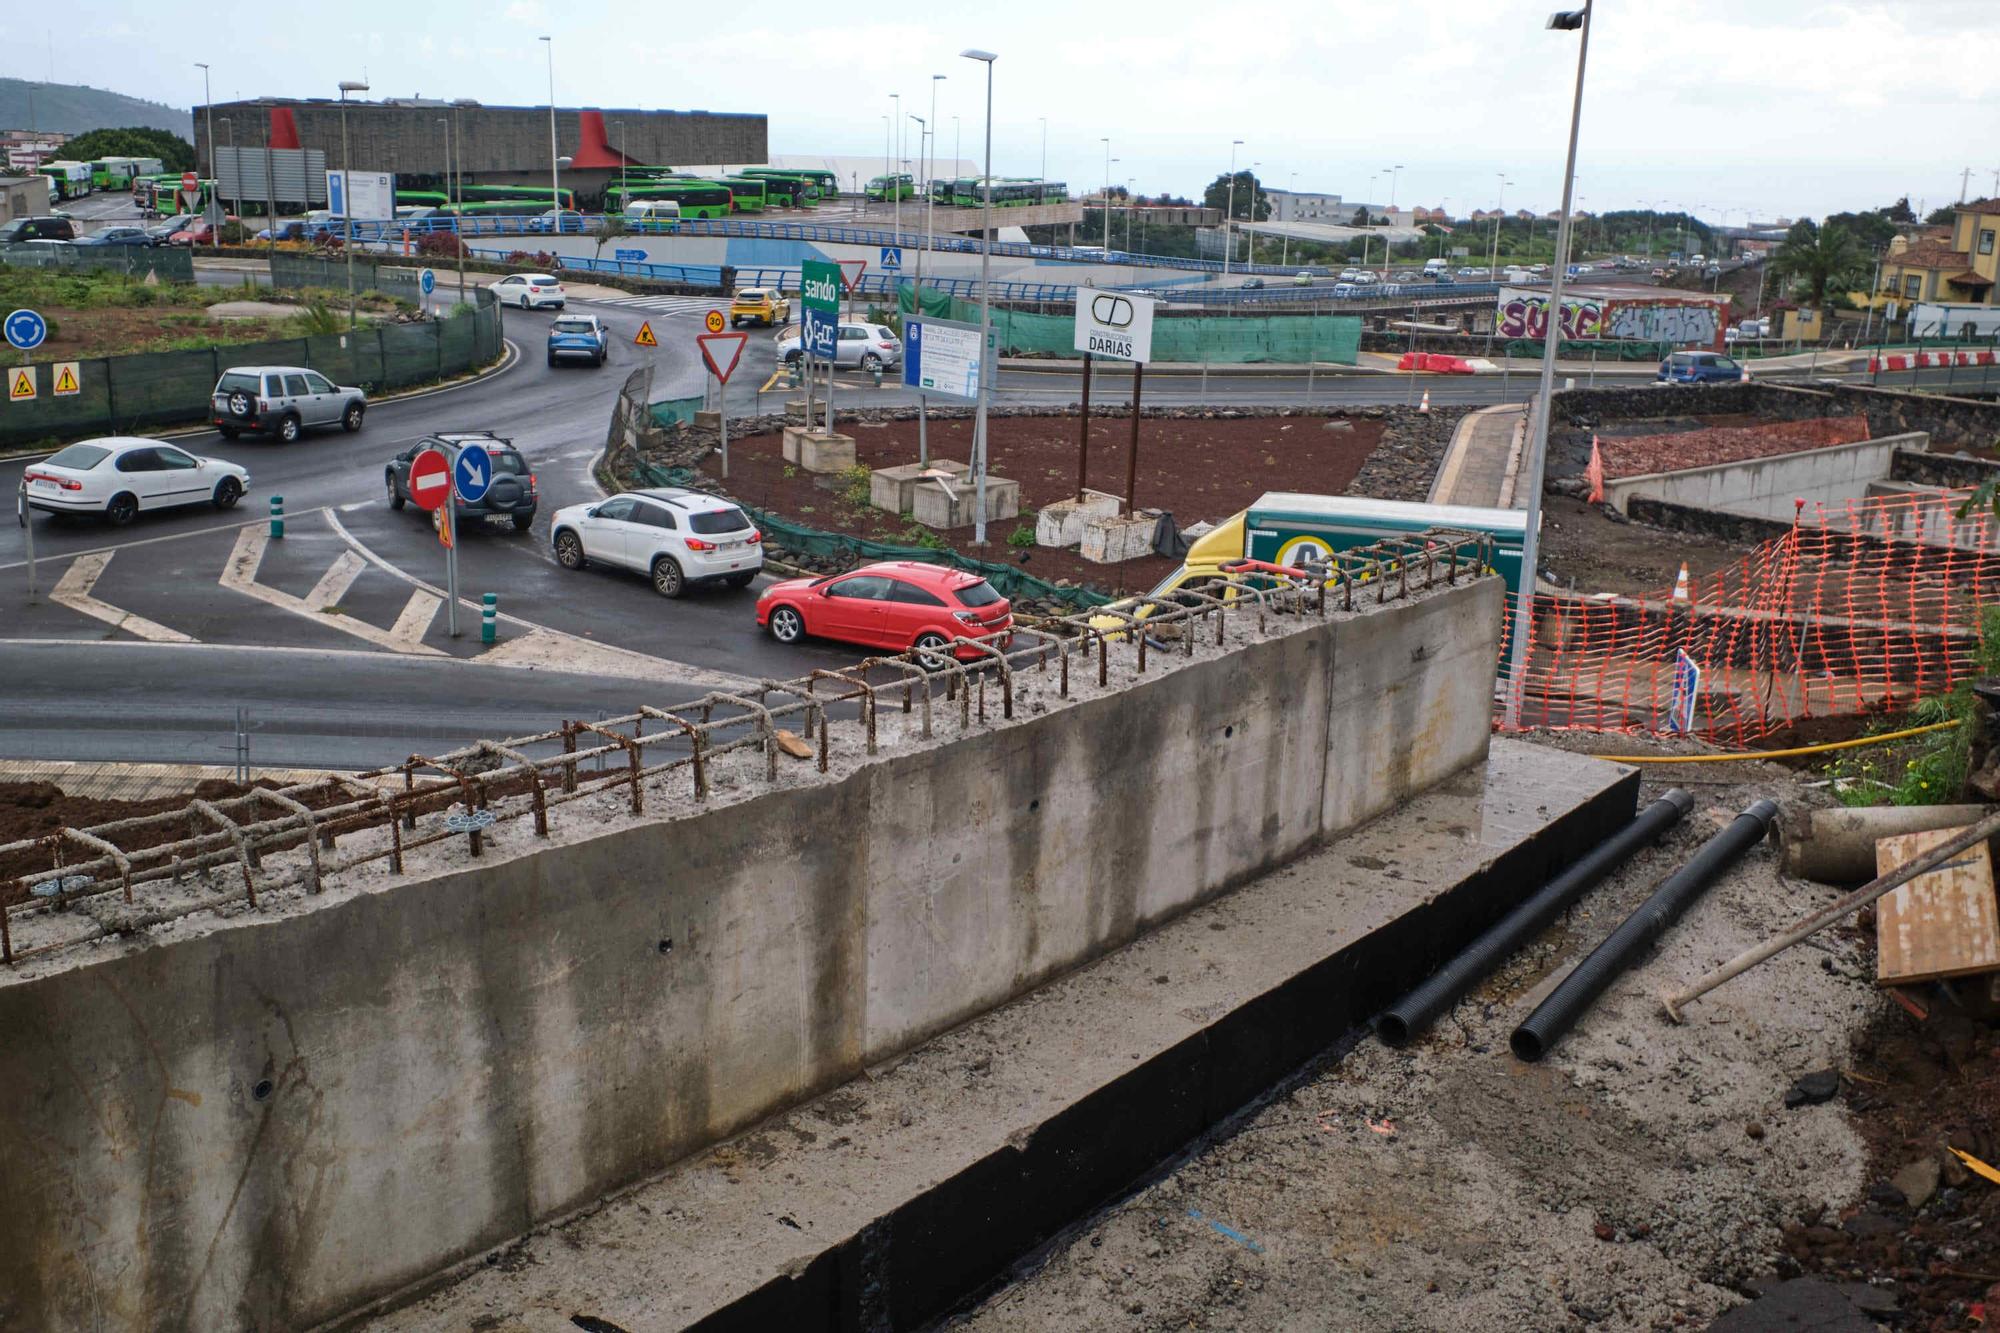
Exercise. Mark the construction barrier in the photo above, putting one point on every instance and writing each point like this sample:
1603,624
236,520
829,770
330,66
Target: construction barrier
1435,363
1851,610
1188,339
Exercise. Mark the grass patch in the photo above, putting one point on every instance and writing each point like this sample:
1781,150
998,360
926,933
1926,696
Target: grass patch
1923,770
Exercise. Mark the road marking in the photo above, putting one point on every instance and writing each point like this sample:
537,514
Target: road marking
73,590
415,622
148,541
772,383
554,650
240,575
333,584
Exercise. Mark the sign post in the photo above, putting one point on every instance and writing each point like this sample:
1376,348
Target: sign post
940,356
427,282
471,474
722,352
27,517
1120,326
819,334
430,488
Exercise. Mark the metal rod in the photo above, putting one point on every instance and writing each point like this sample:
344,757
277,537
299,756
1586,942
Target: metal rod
1083,433
1132,454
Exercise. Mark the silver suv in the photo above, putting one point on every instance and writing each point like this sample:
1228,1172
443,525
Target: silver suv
283,401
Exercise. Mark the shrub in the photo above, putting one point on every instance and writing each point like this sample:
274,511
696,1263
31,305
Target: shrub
854,485
1022,536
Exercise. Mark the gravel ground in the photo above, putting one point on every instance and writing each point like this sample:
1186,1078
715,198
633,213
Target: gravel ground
1635,1179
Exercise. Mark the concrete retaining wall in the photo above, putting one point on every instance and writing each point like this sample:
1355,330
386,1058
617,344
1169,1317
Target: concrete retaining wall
1952,423
1771,486
267,1120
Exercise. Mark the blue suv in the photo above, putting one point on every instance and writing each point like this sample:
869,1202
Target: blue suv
578,336
1699,368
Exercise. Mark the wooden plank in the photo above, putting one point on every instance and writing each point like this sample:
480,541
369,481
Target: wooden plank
1944,924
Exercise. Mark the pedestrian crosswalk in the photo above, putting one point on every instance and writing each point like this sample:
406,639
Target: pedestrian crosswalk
668,305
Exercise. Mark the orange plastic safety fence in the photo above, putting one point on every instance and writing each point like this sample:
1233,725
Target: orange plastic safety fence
1858,607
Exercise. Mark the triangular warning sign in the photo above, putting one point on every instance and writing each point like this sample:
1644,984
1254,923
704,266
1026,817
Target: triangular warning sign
645,336
65,378
851,271
722,351
21,383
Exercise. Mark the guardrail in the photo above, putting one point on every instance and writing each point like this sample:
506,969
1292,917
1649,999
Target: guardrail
367,233
292,840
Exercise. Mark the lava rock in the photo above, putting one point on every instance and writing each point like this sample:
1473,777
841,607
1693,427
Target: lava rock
1822,1085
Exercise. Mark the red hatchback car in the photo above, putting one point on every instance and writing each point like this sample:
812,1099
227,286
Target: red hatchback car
896,604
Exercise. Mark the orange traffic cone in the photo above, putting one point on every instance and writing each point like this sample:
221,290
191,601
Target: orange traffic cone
1681,584
1594,472
1425,405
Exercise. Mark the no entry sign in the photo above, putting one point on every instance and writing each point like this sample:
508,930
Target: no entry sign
430,479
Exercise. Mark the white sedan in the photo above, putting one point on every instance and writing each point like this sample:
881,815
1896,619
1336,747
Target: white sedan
118,476
529,291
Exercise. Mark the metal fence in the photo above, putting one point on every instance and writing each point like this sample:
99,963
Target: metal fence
167,263
217,854
126,394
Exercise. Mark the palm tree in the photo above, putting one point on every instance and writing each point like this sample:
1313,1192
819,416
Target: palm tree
1819,258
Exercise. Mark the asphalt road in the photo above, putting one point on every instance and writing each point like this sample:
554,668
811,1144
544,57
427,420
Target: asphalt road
331,638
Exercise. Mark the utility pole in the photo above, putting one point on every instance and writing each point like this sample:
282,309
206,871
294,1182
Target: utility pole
555,181
1229,211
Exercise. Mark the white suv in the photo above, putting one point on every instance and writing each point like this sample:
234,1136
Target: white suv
866,345
530,291
673,535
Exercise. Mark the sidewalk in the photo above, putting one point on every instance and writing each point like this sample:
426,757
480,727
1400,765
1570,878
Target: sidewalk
1484,456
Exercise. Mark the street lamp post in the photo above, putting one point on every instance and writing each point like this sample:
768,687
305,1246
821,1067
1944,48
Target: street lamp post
1107,193
1499,214
985,312
347,191
1574,20
450,196
555,172
895,182
1044,177
924,127
230,126
208,107
624,190
1229,210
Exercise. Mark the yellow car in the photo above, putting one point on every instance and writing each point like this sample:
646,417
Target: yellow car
759,306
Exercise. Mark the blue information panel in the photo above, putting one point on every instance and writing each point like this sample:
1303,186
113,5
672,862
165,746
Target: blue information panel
941,356
472,473
821,332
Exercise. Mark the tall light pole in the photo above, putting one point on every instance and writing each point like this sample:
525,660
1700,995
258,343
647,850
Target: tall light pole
347,191
895,166
930,172
1499,213
1044,177
451,196
1107,193
228,125
1229,210
208,106
1578,21
624,190
955,159
555,179
1291,192
986,360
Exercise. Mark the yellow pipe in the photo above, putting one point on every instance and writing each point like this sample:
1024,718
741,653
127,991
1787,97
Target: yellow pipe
1770,754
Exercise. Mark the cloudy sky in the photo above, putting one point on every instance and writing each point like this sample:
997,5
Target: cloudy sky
1772,106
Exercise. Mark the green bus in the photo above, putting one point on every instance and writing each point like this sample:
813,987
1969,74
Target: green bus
748,193
424,198
161,193
970,192
698,199
68,180
798,186
884,188
537,194
116,173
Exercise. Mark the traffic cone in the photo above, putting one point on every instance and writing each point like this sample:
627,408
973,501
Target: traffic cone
1681,585
1594,473
1425,405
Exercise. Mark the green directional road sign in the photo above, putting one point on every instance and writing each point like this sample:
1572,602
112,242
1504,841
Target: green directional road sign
821,281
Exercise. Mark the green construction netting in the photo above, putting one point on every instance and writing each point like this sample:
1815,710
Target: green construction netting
1192,339
675,411
1531,348
1012,583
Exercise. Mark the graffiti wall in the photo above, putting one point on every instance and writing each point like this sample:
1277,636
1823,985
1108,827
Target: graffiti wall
1524,313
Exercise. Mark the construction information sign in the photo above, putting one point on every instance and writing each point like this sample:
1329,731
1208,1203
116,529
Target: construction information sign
1114,324
941,356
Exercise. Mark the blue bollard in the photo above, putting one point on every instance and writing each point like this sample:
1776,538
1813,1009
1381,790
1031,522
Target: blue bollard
489,611
277,516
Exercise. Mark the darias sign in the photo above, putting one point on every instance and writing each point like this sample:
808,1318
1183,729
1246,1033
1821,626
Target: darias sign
1114,324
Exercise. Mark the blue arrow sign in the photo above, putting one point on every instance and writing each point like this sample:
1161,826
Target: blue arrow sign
472,473
629,256
892,258
26,329
428,281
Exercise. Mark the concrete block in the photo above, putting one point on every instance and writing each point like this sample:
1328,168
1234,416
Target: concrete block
795,407
708,420
933,508
789,441
1108,539
894,488
821,452
1062,523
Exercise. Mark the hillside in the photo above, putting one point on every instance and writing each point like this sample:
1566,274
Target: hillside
73,109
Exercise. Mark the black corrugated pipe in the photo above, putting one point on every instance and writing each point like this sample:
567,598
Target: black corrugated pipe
1402,1021
1622,947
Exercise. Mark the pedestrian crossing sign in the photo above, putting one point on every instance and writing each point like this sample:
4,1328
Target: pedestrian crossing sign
68,382
645,337
20,384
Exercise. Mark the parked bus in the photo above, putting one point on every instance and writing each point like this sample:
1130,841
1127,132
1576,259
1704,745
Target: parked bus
881,189
160,193
424,198
783,189
748,194
970,192
804,185
535,194
698,199
116,173
68,180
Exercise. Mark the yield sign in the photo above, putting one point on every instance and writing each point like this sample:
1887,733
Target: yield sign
430,479
722,351
850,273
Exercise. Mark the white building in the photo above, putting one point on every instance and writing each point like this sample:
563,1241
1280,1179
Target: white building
1300,206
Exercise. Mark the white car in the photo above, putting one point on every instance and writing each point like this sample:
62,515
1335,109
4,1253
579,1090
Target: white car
674,536
1367,275
1347,274
530,291
117,476
870,346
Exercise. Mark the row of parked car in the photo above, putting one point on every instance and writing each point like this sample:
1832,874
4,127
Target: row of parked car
58,229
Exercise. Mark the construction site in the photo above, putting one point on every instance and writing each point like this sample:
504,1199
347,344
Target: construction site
1265,956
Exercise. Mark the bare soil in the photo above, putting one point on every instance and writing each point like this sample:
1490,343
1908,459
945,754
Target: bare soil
1584,547
1194,468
